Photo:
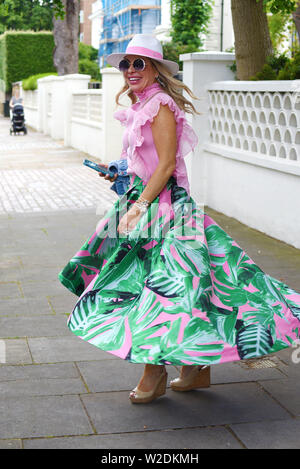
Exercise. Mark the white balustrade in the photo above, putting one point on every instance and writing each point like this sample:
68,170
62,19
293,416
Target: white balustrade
247,163
30,99
262,123
87,106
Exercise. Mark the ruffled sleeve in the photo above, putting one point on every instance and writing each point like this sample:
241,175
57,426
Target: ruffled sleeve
186,137
121,115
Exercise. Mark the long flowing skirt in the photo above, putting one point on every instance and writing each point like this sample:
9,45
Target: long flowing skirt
176,290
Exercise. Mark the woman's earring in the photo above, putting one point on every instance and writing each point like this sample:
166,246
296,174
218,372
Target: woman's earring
159,81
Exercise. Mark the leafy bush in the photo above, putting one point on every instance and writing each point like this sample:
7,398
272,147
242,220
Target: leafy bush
88,61
291,70
30,83
87,52
280,68
190,21
88,67
267,73
172,51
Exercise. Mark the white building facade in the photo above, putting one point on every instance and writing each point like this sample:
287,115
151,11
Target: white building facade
96,19
220,36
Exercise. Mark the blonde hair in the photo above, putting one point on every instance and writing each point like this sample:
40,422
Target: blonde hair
170,85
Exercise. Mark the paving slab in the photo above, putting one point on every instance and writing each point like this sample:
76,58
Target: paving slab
42,416
10,289
34,372
10,273
196,438
33,326
41,387
235,373
17,352
285,391
15,306
63,303
278,434
65,349
42,288
25,306
219,405
292,359
10,444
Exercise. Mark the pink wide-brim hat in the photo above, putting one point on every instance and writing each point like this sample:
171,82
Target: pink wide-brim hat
144,45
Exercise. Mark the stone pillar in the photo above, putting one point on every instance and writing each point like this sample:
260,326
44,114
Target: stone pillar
112,83
44,87
61,88
73,82
200,69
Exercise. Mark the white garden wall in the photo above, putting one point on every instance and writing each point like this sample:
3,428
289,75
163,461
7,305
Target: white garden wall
247,163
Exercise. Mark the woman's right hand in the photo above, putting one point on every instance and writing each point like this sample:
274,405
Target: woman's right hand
107,176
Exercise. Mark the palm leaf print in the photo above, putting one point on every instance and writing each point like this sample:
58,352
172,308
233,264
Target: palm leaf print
253,341
95,306
187,260
83,313
163,284
185,293
71,277
199,336
225,322
110,336
264,316
148,310
123,265
295,311
219,243
279,345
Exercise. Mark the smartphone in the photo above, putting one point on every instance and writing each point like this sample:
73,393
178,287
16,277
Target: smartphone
98,167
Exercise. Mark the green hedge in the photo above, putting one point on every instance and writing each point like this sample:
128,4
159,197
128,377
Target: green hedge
23,54
30,83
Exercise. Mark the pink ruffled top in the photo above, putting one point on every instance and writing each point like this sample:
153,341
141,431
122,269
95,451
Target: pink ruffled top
138,143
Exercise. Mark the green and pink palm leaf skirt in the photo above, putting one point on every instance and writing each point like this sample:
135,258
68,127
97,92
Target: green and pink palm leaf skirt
176,290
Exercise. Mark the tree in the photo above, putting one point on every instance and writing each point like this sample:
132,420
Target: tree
189,21
66,31
252,37
35,15
59,15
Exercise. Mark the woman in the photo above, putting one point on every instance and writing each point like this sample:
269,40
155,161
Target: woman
160,282
15,99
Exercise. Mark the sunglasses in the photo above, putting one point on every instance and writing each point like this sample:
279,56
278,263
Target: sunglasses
138,64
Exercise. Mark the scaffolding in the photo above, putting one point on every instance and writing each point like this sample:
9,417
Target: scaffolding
122,19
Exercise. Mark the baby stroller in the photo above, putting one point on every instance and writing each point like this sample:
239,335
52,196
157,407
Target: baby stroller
18,120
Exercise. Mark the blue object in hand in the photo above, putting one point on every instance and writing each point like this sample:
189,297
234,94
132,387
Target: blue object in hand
121,184
98,167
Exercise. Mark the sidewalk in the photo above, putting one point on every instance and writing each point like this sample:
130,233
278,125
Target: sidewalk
57,391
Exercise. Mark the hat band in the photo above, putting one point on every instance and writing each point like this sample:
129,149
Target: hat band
143,51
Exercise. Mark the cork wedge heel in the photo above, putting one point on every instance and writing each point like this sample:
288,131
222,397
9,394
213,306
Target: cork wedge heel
199,377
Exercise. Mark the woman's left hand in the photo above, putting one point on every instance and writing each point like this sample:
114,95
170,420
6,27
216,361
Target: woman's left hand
129,220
